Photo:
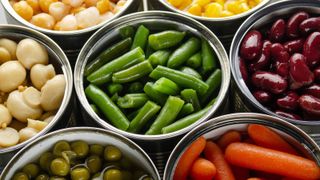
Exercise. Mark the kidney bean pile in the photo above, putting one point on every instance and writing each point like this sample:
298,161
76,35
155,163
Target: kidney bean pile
281,66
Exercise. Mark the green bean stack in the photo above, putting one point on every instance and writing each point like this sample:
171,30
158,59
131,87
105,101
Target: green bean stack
155,83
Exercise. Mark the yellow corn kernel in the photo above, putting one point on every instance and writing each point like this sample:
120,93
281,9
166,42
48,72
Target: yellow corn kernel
252,3
23,9
90,3
244,7
77,9
185,4
175,3
221,2
233,6
203,2
226,13
213,10
195,9
258,1
242,1
35,5
43,20
103,6
45,4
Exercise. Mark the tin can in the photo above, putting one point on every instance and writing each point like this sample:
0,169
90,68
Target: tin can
31,152
70,41
157,145
224,27
59,60
216,127
242,98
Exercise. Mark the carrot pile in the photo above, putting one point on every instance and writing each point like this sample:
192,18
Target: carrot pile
258,154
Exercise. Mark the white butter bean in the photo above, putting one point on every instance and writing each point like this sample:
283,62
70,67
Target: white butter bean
10,45
5,116
8,137
52,93
40,74
27,133
12,74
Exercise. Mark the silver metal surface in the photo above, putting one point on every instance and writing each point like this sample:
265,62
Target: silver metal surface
243,96
90,135
59,60
216,127
155,21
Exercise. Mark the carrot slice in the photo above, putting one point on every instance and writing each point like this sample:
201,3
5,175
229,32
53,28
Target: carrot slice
228,138
188,157
272,161
203,169
265,137
214,154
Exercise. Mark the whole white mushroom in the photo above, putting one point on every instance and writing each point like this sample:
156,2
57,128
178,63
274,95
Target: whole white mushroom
9,45
30,52
5,116
8,137
27,133
40,74
52,93
12,75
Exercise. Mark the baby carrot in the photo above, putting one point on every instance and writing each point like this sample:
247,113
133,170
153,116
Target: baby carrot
214,154
188,157
272,161
254,178
267,138
203,169
228,138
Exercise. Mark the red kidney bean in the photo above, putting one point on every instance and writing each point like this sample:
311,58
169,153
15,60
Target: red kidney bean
282,69
277,30
310,25
311,49
316,73
288,115
290,101
262,96
270,82
264,60
300,74
294,46
294,23
279,53
251,46
310,104
313,90
243,69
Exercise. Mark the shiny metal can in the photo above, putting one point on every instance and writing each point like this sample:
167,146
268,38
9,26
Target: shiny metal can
242,98
216,127
159,146
32,152
59,60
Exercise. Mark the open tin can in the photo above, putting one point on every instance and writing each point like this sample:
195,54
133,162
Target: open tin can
216,127
61,64
158,146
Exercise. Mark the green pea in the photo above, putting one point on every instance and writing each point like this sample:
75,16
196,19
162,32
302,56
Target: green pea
94,164
97,175
70,157
42,177
57,178
96,149
80,173
126,163
61,146
112,174
20,176
112,153
45,160
32,170
81,148
59,167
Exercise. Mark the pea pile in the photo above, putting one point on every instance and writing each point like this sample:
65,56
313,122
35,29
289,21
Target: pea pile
66,15
27,85
215,8
157,83
78,160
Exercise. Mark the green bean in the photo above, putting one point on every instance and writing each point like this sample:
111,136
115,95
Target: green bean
95,108
191,71
167,115
186,121
159,57
154,95
115,97
144,115
186,110
132,100
209,61
133,114
165,39
195,61
214,82
184,52
190,96
114,88
140,38
135,87
127,31
133,73
107,55
148,51
182,79
108,108
166,86
129,59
